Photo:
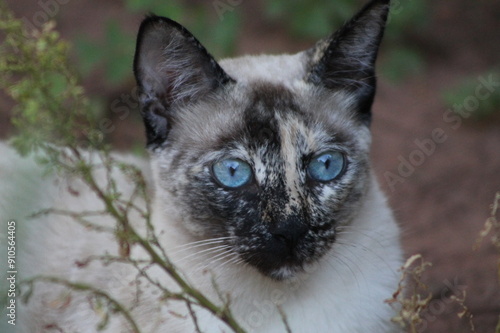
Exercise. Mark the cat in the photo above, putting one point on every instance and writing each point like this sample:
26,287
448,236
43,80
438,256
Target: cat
263,194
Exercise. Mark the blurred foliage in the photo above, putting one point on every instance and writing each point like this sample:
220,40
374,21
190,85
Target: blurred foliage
115,52
318,18
401,62
467,89
312,18
50,105
217,23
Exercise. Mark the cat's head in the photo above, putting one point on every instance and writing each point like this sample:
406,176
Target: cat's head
269,153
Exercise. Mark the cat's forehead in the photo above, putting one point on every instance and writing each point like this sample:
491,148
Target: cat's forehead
275,112
278,69
277,85
270,95
265,113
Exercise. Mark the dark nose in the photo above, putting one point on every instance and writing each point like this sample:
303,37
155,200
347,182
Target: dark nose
287,235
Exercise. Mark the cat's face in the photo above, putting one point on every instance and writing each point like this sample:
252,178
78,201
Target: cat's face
275,170
272,163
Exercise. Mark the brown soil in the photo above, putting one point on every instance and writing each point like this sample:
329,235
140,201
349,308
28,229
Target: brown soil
443,202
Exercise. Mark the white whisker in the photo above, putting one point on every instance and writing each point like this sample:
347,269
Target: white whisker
220,257
348,264
370,251
234,261
357,231
210,250
200,243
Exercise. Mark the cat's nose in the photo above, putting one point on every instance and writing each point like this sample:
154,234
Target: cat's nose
288,234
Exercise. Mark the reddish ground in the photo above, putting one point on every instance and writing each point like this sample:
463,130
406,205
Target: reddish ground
443,202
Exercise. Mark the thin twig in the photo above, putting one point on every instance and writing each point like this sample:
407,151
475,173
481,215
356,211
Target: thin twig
117,307
284,319
193,316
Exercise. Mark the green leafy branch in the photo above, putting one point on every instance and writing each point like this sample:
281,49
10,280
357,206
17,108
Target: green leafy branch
35,74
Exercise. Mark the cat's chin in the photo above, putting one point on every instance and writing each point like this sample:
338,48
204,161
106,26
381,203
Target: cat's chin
284,273
290,272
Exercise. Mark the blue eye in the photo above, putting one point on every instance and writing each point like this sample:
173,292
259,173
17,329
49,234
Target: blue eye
232,172
327,166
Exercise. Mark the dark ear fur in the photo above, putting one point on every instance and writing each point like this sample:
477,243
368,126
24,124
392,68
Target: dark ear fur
171,67
346,60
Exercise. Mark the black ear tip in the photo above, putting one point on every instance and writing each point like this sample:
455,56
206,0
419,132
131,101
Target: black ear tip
152,19
380,6
149,19
379,2
150,15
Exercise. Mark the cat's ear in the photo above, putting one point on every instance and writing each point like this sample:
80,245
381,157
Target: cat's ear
172,69
346,60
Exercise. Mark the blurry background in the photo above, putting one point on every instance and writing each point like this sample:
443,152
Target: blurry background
436,126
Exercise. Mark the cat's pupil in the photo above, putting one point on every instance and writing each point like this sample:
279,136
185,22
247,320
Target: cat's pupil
327,163
232,169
